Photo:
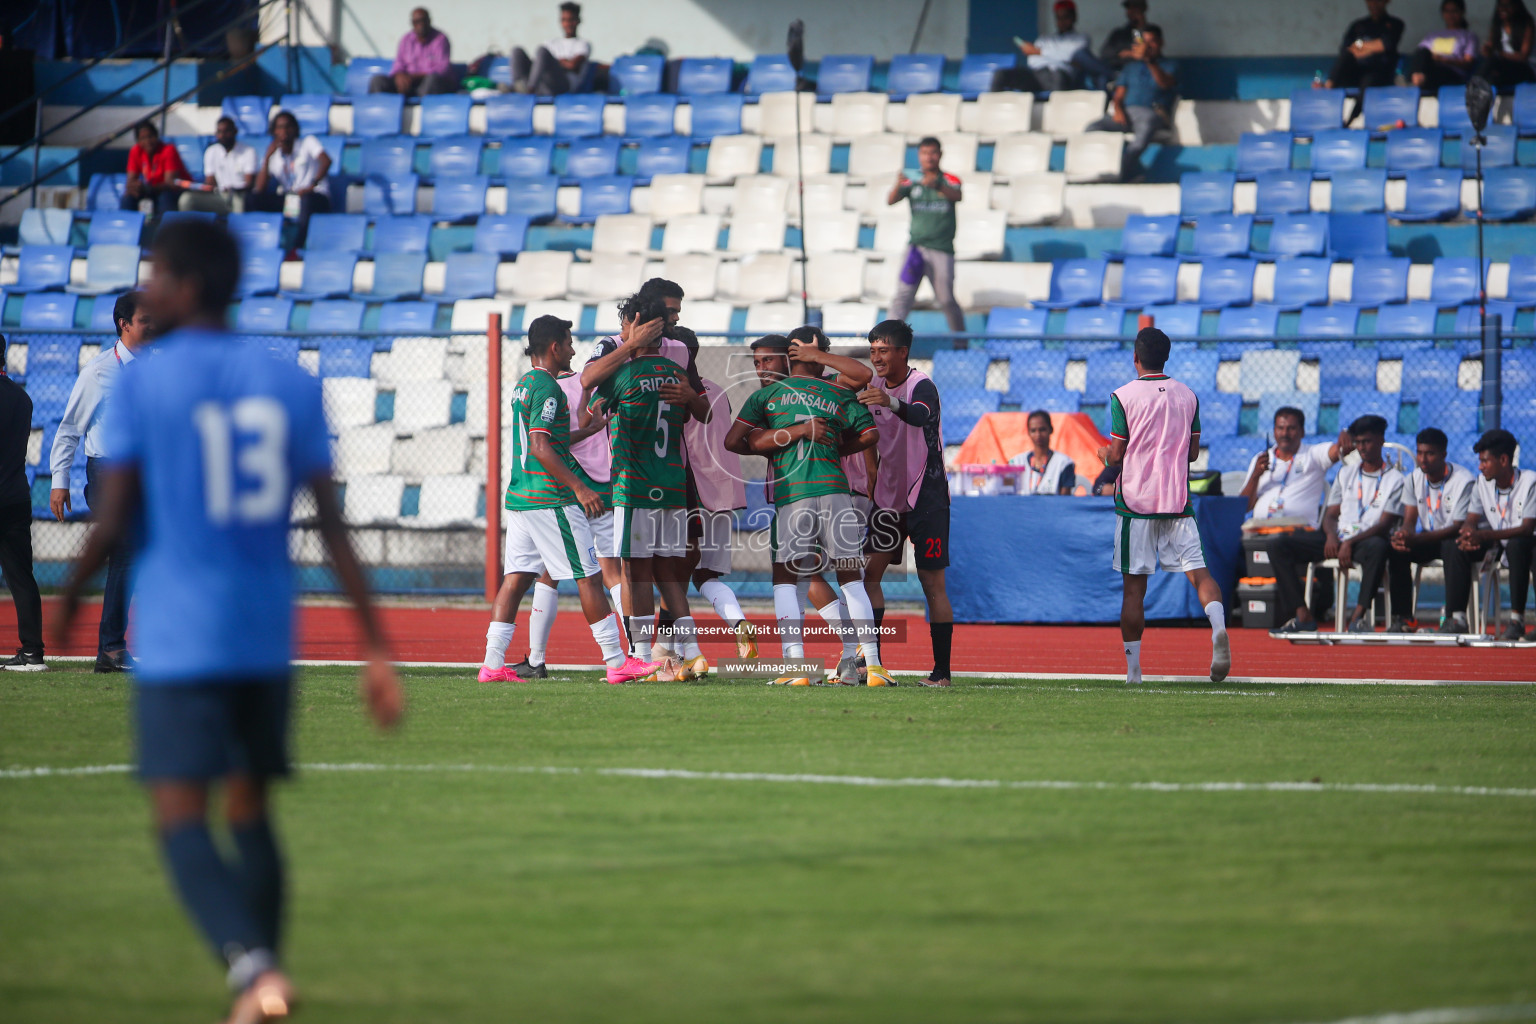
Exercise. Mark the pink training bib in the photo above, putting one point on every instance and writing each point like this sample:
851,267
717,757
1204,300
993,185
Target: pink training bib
1159,420
903,449
716,472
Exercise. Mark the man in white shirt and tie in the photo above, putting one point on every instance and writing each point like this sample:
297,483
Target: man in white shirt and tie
1434,505
82,425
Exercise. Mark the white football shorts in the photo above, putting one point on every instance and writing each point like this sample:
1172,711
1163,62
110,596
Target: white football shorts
556,539
602,533
1142,546
650,532
715,541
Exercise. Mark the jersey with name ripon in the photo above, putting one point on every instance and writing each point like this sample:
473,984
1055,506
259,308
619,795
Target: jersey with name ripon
807,469
538,405
647,432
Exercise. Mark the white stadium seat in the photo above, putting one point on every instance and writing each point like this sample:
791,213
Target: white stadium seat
774,317
858,113
422,404
760,233
892,231
776,114
542,274
427,452
673,195
349,401
374,500
363,451
959,153
1021,153
696,273
816,155
708,319
565,309
413,359
472,314
466,366
1069,112
832,232
825,194
448,499
622,232
930,113
975,191
759,277
979,234
994,114
877,158
1094,156
1036,198
607,277
731,156
833,277
982,285
754,195
692,232
849,317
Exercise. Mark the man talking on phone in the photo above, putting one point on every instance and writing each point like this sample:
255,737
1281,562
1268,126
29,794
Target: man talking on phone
931,248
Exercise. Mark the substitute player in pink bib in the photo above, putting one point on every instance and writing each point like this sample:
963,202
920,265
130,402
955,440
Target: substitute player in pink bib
1154,436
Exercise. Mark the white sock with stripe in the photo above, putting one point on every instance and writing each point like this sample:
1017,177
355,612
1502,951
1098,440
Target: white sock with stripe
645,634
606,632
541,621
723,598
836,616
863,615
786,609
687,638
497,638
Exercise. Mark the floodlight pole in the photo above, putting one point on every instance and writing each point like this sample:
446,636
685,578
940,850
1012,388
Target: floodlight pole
805,301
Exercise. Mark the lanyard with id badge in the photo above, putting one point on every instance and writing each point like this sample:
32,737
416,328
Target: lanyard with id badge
291,199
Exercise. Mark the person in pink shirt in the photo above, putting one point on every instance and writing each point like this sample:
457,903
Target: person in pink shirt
1154,436
421,66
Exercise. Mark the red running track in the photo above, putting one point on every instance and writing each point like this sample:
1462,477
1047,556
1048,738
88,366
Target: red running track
456,634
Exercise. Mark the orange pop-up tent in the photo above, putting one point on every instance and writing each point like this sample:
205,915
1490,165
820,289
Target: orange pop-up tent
999,436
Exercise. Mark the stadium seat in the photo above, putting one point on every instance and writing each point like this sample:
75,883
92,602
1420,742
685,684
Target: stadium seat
346,357
101,314
1051,399
532,197
1406,320
1105,372
606,195
335,316
1220,413
106,191
444,115
1194,367
636,74
1016,321
960,368
527,157
1432,195
964,409
1379,281
649,116
456,155
1455,281
1297,234
469,275
578,115
42,268
1428,370
1069,112
336,232
622,233
704,76
1521,286
544,274
833,231
1248,322
995,114
258,314
1226,282
1354,236
408,317
1509,193
770,73
914,73
374,499
402,234
1205,192
731,156
1094,156
326,275
1386,105
1451,409
1096,338
673,195
396,275
691,232
1412,149
1229,454
978,69
1178,320
360,73
840,73
1147,281
1037,198
1276,398
1222,234
257,230
1523,111
1283,192
1328,321
1021,153
1094,322
1360,191
377,114
1453,110
876,157
715,115
981,234
1338,149
750,234
936,114
858,113
191,149
1316,110
1145,235
43,226
1041,369
1498,150
386,197
312,110
109,268
1262,152
1300,281
664,155
813,155
592,158
48,311
250,113
115,227
1075,282
509,115
388,156
1469,320
259,269
459,199
1343,367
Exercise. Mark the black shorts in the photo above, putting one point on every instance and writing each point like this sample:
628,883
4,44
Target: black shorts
928,528
204,731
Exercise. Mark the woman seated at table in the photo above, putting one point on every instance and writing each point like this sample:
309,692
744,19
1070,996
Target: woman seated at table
1046,472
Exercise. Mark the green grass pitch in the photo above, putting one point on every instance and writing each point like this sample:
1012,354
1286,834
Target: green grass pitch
496,895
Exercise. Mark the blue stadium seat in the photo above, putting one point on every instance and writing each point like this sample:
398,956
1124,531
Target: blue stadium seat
1145,235
402,234
1406,320
335,316
49,391
396,275
770,73
1338,149
978,69
1385,105
1522,280
1519,374
1469,320
1269,401
1041,369
704,76
1509,193
388,156
666,155
1179,320
1248,322
326,275
346,357
1316,110
1283,192
636,74
1360,191
48,311
250,113
1357,402
578,115
601,196
526,158
173,216
592,158
115,227
1229,454
1259,152
532,197
1219,235
42,268
377,114
408,317
360,73
106,191
1428,370
1456,280
101,314
715,115
336,232
263,313
1498,151
1226,283
456,155
444,115
1297,234
43,226
1057,399
312,110
1432,195
844,73
1413,149
1016,321
1147,281
1357,235
109,268
55,354
509,115
502,235
649,116
386,197
1451,409
957,368
1006,348
1379,281
469,275
256,230
1220,412
1453,110
1094,322
1096,338
1328,321
1076,282
1204,192
259,269
1523,112
1344,367
191,149
285,349
914,73
1195,367
1106,371
459,199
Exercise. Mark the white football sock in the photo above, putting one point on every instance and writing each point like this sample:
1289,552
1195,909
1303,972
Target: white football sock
645,634
541,621
724,600
786,609
497,639
856,599
836,615
1132,661
606,632
1217,613
687,638
616,598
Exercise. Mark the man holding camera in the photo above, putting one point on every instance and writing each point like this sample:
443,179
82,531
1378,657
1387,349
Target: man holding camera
1143,99
931,250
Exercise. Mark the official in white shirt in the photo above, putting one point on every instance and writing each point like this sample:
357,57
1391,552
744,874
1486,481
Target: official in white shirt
294,176
83,425
1434,506
229,171
1045,471
1502,512
557,67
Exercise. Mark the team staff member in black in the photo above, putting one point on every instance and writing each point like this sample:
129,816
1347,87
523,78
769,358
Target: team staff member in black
16,522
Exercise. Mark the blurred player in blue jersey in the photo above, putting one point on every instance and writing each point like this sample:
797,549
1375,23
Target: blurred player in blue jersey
210,440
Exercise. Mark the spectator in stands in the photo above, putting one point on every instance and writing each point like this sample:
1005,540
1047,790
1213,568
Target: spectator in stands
1434,508
931,244
1502,514
16,523
1445,57
421,66
559,65
292,177
1119,43
1368,54
153,171
229,171
1142,103
1508,52
1060,61
1045,471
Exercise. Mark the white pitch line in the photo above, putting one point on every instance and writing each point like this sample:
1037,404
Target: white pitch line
1450,1015
867,781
